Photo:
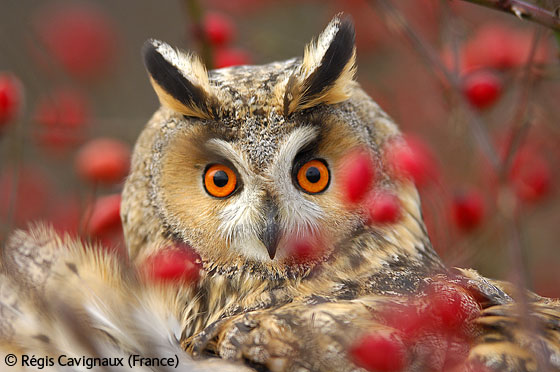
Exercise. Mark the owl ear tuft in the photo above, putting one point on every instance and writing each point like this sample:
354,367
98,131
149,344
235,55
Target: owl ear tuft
179,79
327,70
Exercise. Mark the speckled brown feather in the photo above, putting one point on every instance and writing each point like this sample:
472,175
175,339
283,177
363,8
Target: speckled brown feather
247,308
265,312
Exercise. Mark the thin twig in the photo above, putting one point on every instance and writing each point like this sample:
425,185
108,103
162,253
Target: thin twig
522,120
476,125
508,211
523,10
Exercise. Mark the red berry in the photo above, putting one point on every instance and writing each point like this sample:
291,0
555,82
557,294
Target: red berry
218,28
104,217
379,352
62,117
82,38
482,88
65,108
411,158
492,46
57,140
305,248
530,175
10,97
103,160
383,207
501,47
177,264
358,175
450,306
226,57
408,319
467,209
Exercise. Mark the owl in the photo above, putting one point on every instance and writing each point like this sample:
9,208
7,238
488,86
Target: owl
244,168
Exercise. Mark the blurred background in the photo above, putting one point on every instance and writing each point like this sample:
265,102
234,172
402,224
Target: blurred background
476,92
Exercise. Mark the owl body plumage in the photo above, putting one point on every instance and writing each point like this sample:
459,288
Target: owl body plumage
256,306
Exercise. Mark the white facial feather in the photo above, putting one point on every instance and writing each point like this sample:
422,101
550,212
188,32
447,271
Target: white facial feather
297,213
242,218
233,154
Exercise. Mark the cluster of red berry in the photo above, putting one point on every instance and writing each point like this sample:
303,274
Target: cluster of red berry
435,325
487,58
77,40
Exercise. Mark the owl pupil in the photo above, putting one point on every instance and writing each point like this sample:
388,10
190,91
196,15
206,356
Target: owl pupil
313,175
220,178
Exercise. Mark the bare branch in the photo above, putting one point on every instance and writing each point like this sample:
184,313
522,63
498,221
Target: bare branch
477,126
523,10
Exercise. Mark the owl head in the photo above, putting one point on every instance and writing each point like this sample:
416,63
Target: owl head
243,164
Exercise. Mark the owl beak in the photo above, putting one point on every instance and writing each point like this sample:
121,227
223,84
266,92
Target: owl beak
271,233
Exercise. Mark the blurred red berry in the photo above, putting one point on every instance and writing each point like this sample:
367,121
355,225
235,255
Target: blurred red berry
492,46
451,306
530,175
444,308
103,160
177,264
409,319
218,28
467,209
81,37
358,175
58,141
383,207
65,108
411,158
304,248
226,57
482,88
11,93
62,117
502,47
104,217
379,352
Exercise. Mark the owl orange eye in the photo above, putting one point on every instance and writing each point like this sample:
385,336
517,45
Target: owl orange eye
313,176
219,180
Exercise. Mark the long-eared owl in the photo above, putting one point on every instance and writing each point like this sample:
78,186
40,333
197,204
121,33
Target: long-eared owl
244,168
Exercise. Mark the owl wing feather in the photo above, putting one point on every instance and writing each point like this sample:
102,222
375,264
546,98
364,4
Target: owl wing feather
522,335
316,336
58,296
